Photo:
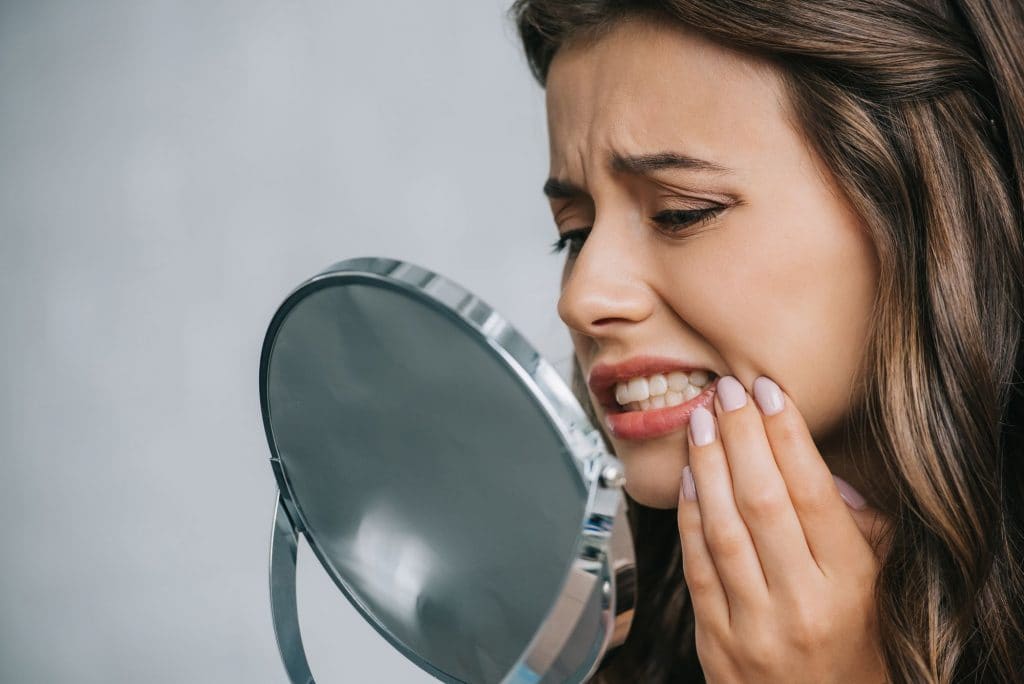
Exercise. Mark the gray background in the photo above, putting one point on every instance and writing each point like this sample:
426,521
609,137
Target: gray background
170,171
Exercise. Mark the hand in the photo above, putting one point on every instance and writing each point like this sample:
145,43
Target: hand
780,569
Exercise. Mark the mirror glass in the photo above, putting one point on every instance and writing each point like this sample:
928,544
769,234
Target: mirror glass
432,486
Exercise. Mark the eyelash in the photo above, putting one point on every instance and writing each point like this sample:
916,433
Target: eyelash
669,217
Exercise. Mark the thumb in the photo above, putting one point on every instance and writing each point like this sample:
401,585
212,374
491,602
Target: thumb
873,525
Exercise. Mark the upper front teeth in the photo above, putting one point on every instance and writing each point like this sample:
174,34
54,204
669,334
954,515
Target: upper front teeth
662,389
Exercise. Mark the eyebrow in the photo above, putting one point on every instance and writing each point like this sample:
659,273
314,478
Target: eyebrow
640,165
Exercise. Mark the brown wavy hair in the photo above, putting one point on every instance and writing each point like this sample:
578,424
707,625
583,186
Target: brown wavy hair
918,109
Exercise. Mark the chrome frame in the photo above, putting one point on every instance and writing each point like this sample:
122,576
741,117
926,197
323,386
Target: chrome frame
604,555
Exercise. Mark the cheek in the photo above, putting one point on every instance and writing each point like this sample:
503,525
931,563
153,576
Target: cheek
812,315
793,304
583,347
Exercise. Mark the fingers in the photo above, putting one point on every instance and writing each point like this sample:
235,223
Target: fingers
759,510
832,535
725,534
874,526
760,492
710,605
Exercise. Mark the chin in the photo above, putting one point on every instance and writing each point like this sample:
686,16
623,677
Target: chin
653,472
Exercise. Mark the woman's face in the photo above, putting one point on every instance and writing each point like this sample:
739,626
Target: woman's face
649,126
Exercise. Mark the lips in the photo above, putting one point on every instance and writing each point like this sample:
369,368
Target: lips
633,425
658,422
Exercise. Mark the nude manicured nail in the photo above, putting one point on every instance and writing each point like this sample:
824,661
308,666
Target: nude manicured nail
767,395
702,426
851,496
731,394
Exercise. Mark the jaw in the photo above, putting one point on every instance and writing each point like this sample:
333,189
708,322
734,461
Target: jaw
654,468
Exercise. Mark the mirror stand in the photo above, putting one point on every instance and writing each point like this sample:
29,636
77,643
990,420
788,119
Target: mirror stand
558,645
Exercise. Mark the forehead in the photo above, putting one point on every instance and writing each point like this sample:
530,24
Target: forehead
650,85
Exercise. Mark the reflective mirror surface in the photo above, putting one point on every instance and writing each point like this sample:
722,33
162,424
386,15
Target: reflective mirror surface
431,484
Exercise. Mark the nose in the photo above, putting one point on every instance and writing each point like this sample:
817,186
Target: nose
605,286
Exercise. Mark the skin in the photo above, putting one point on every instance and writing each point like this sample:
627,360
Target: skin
779,283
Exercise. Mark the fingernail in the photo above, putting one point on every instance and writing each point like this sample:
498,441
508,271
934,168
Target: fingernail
689,488
851,496
767,395
702,426
731,394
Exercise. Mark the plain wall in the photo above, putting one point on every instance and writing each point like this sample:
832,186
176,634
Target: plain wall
168,173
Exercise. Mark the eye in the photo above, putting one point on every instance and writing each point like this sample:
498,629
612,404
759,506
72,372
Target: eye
571,238
674,220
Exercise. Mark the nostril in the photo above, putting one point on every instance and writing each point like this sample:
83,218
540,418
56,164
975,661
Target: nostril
606,321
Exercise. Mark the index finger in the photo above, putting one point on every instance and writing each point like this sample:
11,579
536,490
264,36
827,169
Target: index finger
832,535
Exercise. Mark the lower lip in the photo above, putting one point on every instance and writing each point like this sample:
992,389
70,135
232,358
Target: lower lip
658,422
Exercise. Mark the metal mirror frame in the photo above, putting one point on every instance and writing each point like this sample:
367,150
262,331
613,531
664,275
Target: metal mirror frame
601,578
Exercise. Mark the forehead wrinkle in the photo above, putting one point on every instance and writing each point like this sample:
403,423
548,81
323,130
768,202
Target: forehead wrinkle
590,100
593,156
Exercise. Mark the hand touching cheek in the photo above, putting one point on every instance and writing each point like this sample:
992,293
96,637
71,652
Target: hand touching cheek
780,572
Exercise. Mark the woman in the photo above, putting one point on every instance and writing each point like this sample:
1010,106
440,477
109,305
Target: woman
793,236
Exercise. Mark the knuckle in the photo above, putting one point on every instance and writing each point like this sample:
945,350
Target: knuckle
764,503
787,432
808,628
726,541
759,651
699,580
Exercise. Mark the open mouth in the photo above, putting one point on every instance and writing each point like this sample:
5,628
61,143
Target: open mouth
660,390
649,396
647,419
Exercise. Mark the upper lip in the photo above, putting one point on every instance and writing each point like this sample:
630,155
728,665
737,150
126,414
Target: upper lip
604,376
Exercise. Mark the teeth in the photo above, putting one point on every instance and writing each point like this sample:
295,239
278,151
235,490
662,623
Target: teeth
678,381
698,377
661,389
639,389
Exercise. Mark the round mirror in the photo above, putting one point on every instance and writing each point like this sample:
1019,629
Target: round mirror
445,477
